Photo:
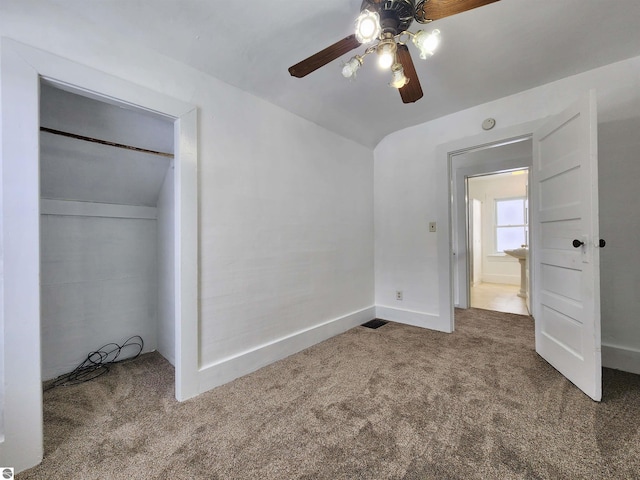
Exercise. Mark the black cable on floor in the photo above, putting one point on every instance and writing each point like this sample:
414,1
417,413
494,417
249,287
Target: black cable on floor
98,363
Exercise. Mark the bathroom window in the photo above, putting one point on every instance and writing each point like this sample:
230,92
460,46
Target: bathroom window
511,223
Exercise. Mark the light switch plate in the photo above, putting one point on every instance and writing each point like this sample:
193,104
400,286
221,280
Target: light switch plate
432,226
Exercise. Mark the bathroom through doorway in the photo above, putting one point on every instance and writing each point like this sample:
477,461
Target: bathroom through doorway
490,215
498,239
498,222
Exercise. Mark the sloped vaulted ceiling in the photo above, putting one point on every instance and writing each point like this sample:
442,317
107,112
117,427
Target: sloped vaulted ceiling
487,53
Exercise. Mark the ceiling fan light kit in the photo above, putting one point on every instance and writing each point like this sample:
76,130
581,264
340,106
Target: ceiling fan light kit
387,23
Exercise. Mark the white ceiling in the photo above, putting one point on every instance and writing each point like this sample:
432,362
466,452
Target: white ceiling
486,53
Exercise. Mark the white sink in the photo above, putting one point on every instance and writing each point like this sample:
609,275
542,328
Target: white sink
519,253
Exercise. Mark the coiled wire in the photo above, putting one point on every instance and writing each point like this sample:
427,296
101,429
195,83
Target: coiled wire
98,363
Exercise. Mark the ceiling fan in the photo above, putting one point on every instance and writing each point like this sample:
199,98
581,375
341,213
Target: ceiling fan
384,24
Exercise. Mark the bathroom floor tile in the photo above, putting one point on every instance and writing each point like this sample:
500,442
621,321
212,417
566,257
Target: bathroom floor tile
498,297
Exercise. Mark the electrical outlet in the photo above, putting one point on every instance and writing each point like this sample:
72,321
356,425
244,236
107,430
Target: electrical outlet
432,226
399,295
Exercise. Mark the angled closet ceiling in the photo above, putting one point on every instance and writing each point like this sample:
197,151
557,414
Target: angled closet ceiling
106,228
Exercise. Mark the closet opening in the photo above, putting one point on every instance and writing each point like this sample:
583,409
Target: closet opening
107,216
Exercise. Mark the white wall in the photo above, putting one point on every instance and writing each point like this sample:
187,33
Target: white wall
285,210
166,269
98,285
406,179
619,173
496,268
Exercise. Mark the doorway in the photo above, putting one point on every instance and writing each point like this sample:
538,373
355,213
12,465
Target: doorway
564,247
497,222
106,228
21,391
497,173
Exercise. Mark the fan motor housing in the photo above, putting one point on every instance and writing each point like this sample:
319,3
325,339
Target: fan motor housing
395,15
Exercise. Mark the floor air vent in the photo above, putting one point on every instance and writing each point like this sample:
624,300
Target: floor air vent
375,323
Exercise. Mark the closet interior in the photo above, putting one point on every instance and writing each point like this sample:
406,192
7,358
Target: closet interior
106,227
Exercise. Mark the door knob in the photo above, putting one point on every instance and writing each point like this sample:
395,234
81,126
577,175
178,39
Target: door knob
602,243
577,243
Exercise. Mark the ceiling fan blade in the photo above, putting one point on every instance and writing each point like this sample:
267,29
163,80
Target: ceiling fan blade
428,10
320,59
412,91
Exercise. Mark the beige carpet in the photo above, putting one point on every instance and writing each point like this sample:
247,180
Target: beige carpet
394,403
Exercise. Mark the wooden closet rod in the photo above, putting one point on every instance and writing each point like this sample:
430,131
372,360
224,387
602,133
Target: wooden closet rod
104,142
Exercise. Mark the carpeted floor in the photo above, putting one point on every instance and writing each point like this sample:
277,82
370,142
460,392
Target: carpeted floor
398,402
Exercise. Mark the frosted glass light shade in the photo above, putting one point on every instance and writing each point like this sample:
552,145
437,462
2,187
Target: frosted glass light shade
367,26
398,78
350,68
427,42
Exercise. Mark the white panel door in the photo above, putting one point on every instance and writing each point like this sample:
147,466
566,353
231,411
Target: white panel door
566,257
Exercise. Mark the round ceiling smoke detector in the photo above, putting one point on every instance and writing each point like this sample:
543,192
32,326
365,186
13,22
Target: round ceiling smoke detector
489,123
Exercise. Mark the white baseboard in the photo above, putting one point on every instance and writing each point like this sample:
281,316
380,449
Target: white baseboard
228,369
621,358
410,317
503,279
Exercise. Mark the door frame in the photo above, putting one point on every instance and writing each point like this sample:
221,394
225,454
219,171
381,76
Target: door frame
446,182
23,68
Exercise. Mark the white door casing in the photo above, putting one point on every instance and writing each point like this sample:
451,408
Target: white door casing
20,222
22,69
564,208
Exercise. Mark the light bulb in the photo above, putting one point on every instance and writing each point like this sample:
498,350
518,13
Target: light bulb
386,54
350,68
431,41
427,43
398,78
367,26
385,60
